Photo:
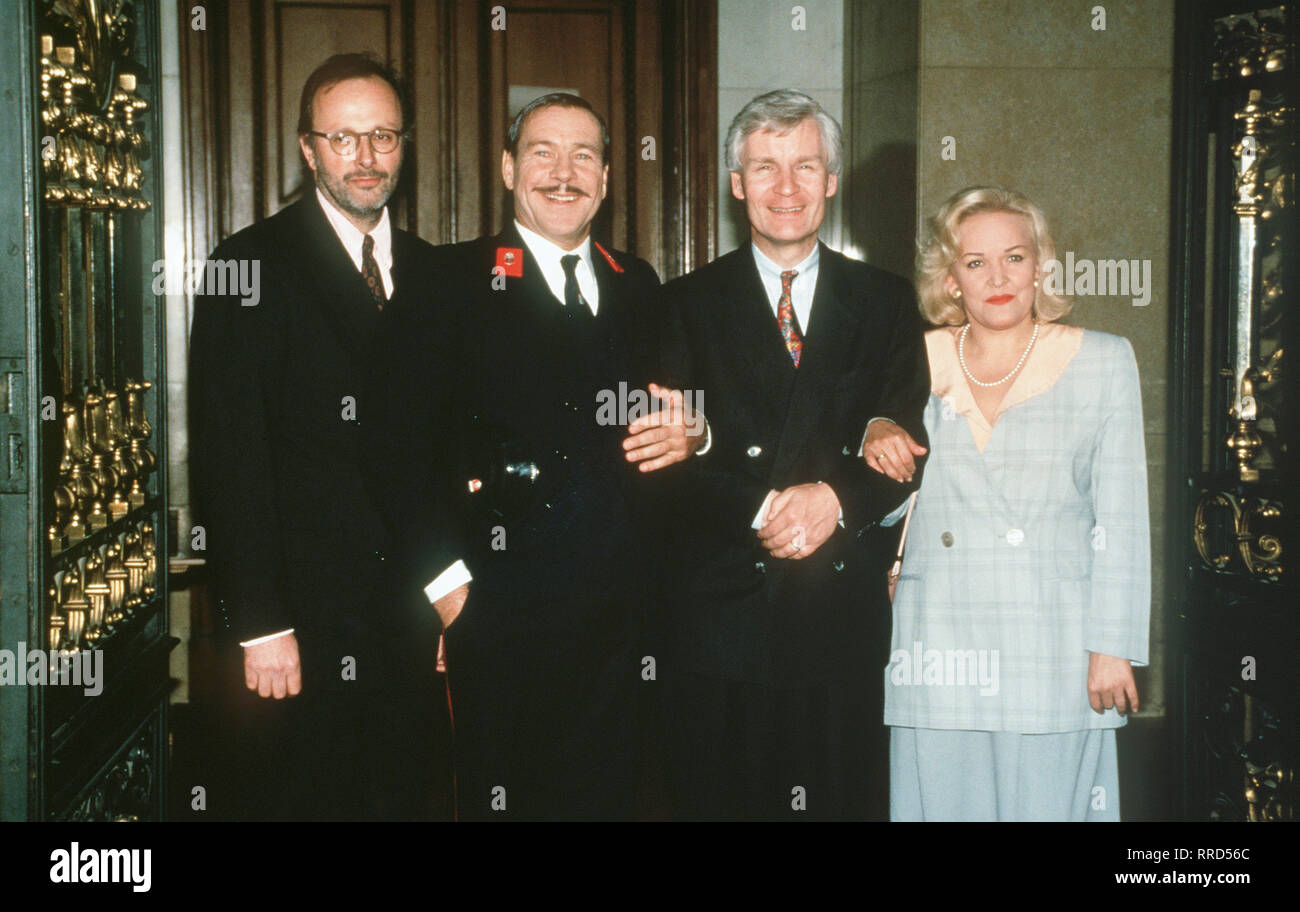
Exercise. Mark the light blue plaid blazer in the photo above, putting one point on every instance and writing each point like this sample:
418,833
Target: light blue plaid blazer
1029,555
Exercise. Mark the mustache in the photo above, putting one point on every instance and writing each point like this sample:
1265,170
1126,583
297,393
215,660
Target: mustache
558,188
365,175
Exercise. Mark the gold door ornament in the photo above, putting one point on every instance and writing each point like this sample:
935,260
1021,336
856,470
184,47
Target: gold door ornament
1261,193
1249,43
92,143
1257,551
106,461
1269,787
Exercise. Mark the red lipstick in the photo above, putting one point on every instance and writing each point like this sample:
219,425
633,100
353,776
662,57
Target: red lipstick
1000,299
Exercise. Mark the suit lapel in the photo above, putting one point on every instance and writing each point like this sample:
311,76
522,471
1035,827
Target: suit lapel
529,291
608,281
341,292
835,328
620,297
403,267
746,317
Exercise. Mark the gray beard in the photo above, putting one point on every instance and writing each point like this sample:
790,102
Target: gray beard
340,197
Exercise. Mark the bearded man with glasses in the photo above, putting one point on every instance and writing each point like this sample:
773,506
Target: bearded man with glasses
338,650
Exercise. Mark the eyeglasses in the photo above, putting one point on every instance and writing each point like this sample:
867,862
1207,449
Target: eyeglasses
346,143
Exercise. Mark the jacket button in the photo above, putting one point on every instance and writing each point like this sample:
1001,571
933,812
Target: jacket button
844,451
1015,537
753,451
760,567
946,538
838,565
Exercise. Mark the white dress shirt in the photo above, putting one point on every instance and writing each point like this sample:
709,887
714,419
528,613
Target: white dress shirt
547,254
801,288
352,238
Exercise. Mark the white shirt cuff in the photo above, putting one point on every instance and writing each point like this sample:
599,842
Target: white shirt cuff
448,580
762,511
257,641
899,512
708,438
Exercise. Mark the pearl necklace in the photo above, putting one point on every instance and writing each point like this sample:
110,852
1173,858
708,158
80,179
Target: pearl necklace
961,356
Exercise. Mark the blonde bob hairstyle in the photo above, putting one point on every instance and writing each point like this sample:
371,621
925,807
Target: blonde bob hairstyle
941,249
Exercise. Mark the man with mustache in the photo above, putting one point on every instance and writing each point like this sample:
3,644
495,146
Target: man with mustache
339,655
541,588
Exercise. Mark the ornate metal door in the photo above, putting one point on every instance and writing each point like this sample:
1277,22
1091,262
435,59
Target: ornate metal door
83,618
1232,464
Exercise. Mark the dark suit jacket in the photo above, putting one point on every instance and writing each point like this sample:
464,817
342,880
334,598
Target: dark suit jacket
285,478
738,613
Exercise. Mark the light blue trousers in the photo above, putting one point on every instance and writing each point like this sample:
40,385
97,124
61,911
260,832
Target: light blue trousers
979,775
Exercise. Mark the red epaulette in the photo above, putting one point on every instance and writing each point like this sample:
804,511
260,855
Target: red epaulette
510,260
609,259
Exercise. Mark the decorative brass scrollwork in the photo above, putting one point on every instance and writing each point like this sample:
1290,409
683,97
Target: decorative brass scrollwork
1201,527
127,789
1250,43
1270,792
1259,551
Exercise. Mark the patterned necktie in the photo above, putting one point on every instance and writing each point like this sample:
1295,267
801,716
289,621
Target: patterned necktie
370,272
786,320
573,299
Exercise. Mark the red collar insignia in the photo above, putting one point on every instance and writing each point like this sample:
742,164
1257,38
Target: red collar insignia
510,260
609,259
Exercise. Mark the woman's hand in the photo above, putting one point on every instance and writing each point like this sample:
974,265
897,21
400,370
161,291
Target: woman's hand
890,450
1110,683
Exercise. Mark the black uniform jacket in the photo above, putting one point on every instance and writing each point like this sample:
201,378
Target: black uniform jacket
500,372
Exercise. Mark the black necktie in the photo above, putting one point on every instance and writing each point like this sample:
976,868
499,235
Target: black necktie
573,298
370,272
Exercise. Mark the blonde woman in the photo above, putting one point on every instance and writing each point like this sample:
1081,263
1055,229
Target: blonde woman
1024,596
